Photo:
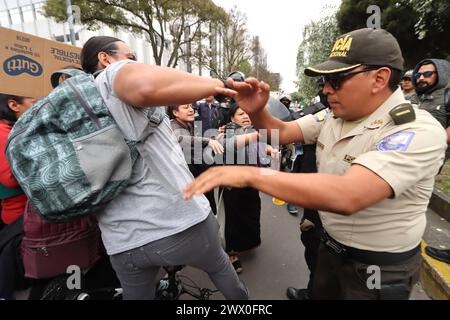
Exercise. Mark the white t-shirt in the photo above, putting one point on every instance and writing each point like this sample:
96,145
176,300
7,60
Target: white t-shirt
151,207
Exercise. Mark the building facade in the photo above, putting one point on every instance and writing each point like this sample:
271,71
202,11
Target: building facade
26,16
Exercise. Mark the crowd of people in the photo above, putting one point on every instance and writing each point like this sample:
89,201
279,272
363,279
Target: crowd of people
375,147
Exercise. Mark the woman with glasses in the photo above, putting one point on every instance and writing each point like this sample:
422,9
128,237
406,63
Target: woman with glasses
182,123
149,225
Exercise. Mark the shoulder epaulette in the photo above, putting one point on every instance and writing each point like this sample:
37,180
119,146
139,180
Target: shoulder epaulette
403,113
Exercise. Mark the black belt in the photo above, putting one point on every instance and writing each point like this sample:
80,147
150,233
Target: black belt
366,256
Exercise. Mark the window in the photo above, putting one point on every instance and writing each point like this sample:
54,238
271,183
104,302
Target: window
15,16
66,38
27,12
4,19
38,9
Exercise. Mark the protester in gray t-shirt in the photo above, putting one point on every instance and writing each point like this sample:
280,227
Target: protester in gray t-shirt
149,225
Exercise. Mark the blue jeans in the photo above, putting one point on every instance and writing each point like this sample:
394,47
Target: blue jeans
198,246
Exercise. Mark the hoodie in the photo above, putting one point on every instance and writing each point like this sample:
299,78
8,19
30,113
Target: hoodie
431,99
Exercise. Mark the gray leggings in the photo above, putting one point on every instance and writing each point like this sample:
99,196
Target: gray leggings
198,246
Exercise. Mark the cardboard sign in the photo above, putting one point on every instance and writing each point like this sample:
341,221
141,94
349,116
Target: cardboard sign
27,62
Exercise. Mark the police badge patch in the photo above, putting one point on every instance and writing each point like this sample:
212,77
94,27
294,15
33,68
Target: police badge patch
396,142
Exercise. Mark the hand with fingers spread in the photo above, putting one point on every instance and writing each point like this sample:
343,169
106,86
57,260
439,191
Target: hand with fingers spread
230,176
251,95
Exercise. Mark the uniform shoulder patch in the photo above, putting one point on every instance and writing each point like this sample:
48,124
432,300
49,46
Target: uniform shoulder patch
396,142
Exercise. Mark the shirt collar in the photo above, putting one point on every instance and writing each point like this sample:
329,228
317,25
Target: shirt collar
379,117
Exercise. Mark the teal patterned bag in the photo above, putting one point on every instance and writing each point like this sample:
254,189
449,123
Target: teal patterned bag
67,153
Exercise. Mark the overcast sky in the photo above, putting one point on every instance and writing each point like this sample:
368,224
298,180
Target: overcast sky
279,24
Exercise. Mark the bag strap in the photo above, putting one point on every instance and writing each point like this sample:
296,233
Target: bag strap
57,74
154,116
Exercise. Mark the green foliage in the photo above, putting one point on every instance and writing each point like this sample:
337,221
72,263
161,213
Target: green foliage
443,179
158,20
296,96
318,39
422,27
245,67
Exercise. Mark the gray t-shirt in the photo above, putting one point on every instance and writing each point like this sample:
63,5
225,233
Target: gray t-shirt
151,207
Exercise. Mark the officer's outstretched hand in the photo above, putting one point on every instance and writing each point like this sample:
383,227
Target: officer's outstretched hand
229,176
251,95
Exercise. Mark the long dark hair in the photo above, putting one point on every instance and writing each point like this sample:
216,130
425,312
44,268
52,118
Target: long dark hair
5,112
89,53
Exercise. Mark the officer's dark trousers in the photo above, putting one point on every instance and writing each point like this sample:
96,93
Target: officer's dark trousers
311,240
310,234
340,277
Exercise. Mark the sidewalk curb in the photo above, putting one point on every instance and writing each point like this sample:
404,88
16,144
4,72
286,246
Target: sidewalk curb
434,276
440,203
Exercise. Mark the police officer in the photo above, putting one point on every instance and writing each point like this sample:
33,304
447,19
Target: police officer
286,100
407,85
377,158
322,96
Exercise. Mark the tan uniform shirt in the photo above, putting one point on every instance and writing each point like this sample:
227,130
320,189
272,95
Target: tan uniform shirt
406,156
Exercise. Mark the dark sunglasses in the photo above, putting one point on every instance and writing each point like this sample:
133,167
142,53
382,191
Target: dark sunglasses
335,80
425,74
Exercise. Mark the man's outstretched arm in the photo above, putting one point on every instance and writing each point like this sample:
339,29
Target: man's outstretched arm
358,189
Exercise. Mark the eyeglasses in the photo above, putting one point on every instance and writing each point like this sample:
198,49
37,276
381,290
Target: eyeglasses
425,74
335,80
130,54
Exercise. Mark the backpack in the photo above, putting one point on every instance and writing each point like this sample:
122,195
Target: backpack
68,154
48,248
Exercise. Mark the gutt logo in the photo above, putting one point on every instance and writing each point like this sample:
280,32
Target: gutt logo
19,64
